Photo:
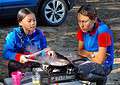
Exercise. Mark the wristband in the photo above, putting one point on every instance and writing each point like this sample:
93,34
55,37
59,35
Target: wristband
93,55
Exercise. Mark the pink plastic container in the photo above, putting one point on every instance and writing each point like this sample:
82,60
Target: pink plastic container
16,77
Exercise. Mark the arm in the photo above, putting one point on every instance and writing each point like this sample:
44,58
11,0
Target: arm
9,47
100,56
9,51
104,40
81,52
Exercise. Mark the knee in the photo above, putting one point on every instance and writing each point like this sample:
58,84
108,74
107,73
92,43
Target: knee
14,64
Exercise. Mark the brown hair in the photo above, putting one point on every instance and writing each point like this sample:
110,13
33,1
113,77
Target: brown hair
22,14
88,10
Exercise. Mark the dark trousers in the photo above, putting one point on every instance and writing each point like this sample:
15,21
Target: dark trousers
93,72
14,66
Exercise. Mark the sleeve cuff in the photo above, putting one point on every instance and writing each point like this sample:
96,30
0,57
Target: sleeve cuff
17,57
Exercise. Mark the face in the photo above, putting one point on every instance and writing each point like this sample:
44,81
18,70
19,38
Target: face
85,23
28,23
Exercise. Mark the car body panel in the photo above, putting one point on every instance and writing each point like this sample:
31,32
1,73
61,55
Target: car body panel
11,7
70,3
1,9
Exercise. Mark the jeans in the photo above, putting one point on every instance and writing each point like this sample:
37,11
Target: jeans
87,69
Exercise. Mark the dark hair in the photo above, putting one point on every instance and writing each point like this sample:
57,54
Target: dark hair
88,10
22,14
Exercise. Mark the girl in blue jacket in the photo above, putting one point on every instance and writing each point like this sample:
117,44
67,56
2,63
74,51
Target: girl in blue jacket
22,41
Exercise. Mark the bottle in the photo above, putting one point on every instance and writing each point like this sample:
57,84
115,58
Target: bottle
36,78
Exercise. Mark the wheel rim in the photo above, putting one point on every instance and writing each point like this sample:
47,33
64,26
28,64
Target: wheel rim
54,11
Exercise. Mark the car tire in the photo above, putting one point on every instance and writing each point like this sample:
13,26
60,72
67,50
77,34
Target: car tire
54,12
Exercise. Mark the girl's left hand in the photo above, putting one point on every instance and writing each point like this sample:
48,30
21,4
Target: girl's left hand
50,52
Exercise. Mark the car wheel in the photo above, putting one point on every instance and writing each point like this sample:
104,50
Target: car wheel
54,12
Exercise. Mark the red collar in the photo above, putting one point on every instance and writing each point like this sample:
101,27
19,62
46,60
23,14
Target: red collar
95,28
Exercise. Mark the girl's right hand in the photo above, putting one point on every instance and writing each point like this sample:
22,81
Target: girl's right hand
23,59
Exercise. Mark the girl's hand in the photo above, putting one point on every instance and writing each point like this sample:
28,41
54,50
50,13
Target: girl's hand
23,59
50,52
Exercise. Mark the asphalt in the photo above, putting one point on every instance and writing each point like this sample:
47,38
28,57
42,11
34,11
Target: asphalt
108,10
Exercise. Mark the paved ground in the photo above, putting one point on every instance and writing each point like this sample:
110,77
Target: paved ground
62,38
